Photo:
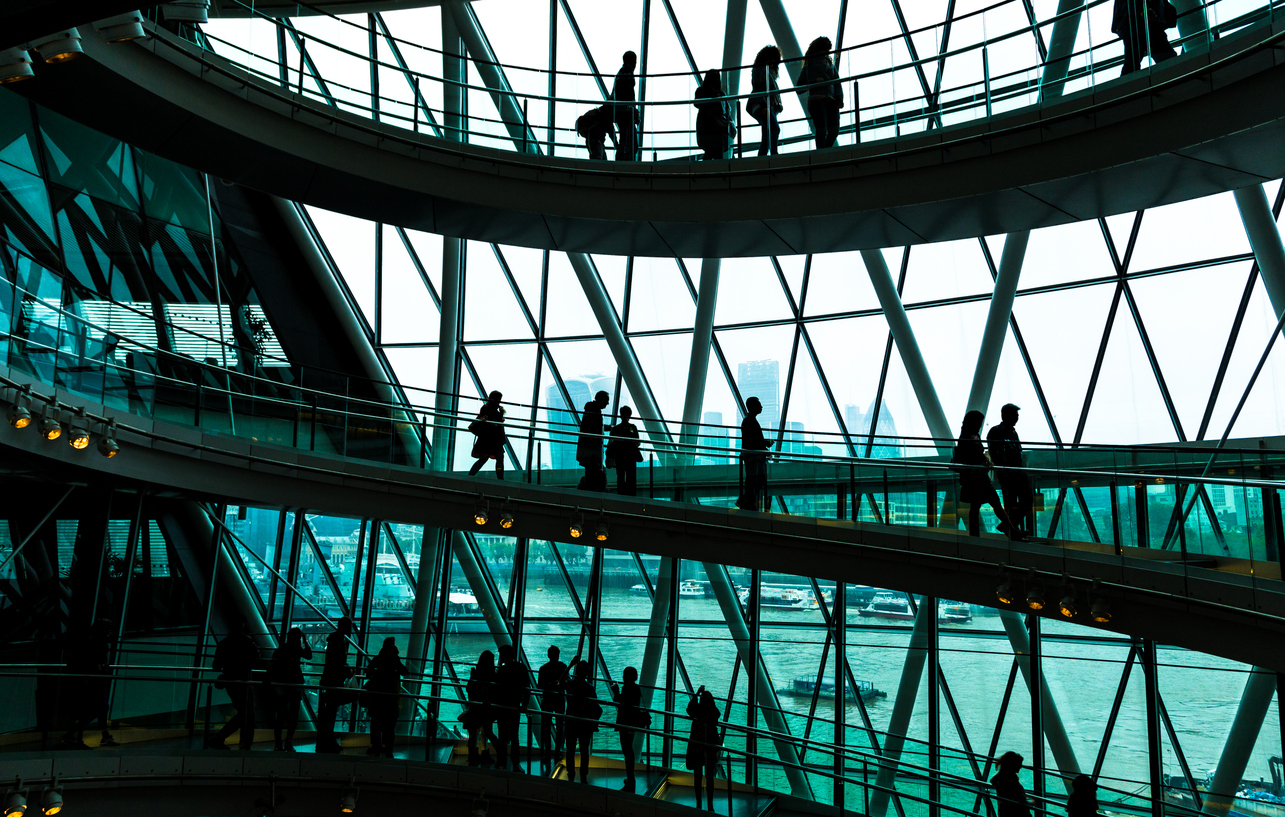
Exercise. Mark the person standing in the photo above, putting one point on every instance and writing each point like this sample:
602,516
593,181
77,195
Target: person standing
754,447
583,711
382,692
624,109
234,659
766,108
1083,801
629,716
512,686
714,127
703,747
552,704
825,92
1008,789
91,658
285,676
335,673
970,462
480,692
589,444
1140,25
624,453
489,439
1006,453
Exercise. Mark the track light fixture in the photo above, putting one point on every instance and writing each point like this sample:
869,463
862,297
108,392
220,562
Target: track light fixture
50,426
1005,592
1034,592
60,46
600,531
122,28
15,65
77,434
1068,606
348,799
15,801
1100,608
187,11
107,445
481,513
20,410
51,802
506,516
577,525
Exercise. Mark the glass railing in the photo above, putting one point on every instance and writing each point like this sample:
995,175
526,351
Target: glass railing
146,701
1206,504
993,66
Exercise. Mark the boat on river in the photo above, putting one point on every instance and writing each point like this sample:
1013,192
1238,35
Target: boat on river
954,612
691,590
889,605
804,687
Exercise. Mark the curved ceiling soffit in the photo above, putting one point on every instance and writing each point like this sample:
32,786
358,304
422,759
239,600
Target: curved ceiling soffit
1199,125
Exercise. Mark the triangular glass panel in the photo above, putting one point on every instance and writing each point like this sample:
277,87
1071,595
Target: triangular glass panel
1260,413
409,313
569,313
508,368
750,290
1187,231
1067,252
613,268
665,359
759,360
811,429
491,310
669,130
527,267
17,134
1013,385
949,337
659,298
424,27
837,282
1127,407
351,243
900,416
946,270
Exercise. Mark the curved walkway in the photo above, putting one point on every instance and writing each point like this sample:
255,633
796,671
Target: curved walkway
1212,605
1200,124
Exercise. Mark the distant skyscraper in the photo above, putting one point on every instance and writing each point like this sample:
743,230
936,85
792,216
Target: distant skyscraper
711,436
792,443
562,423
762,379
858,423
855,420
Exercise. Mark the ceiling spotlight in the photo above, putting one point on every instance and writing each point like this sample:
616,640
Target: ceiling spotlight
1005,592
59,47
15,65
1100,609
577,526
600,530
481,513
15,802
20,410
77,435
50,427
107,445
348,801
506,516
51,803
122,28
1067,606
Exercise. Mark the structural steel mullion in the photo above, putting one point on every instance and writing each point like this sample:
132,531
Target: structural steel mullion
325,571
584,49
292,569
999,727
276,566
682,41
1039,37
1155,767
718,348
1115,711
1177,750
309,64
929,99
395,50
942,50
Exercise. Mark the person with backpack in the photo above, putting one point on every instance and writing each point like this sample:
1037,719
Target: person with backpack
235,658
583,712
512,687
825,91
594,125
285,679
488,429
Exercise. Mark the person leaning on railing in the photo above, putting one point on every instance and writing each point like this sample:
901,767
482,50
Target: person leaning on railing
705,744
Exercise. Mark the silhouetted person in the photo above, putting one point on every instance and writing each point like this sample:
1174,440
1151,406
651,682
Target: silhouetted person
629,716
754,447
334,674
624,454
383,689
480,692
582,720
825,96
490,437
974,469
714,125
512,687
765,109
1083,801
552,704
589,445
1006,452
234,660
624,109
1008,789
285,674
594,125
1140,25
90,656
703,748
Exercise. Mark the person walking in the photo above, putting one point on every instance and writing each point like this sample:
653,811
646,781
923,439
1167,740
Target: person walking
754,448
714,125
589,444
234,659
480,692
766,108
285,676
489,437
705,743
512,686
1008,789
594,125
970,462
624,109
583,711
1083,801
624,453
629,716
1140,25
825,91
550,680
382,697
90,657
1006,453
335,673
